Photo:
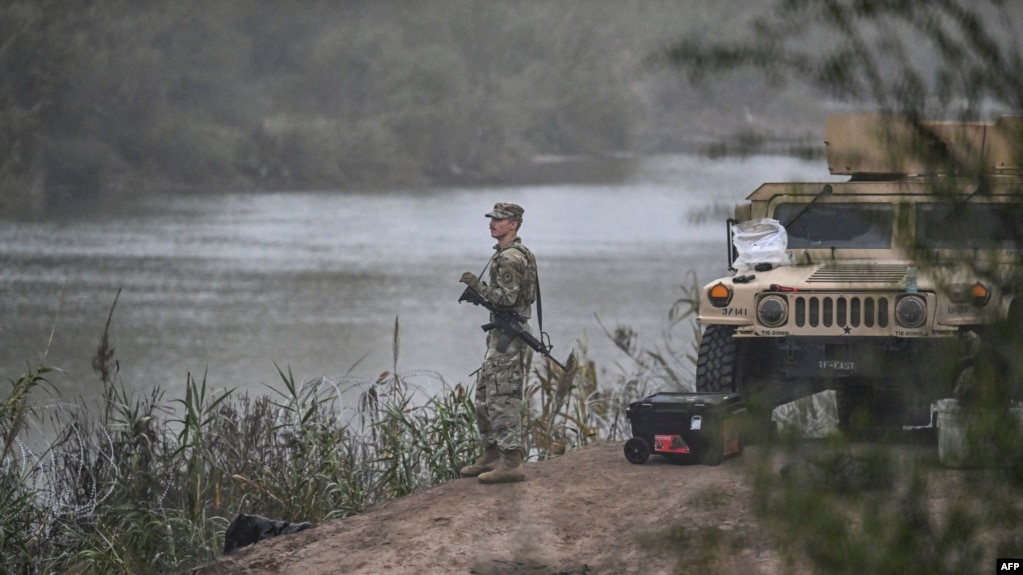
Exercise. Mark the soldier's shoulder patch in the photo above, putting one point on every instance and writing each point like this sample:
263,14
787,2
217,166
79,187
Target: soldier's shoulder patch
507,277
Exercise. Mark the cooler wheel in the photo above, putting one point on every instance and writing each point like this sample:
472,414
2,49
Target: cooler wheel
637,450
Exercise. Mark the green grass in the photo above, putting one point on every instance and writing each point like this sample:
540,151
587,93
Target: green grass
143,483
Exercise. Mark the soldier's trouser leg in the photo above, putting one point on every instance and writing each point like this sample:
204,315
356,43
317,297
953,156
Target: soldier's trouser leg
491,456
501,380
502,377
482,413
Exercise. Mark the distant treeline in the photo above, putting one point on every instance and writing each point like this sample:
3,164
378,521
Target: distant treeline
107,97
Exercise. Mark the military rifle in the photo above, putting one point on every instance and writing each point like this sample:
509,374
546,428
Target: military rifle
510,324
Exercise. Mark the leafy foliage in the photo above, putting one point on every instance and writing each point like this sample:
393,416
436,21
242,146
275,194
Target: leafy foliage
149,485
844,508
110,97
923,59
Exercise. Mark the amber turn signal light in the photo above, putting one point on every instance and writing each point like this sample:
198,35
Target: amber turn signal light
979,294
719,295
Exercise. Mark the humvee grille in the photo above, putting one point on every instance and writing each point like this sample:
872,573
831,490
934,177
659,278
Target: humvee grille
859,273
852,311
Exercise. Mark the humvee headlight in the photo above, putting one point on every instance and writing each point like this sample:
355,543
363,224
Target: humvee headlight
911,311
979,294
772,311
719,295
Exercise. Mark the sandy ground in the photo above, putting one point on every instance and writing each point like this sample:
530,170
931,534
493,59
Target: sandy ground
588,512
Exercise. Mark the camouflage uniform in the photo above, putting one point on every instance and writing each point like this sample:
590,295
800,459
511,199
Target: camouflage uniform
499,383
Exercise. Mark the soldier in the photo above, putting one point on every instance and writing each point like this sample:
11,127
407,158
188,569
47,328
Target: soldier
499,383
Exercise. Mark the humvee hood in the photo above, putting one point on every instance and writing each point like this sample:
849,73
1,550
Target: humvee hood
837,274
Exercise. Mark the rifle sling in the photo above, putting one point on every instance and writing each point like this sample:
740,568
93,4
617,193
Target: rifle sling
539,306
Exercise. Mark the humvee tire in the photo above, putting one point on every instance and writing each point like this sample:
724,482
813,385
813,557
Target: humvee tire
717,361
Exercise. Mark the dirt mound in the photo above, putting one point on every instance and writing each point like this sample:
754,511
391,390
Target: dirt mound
587,512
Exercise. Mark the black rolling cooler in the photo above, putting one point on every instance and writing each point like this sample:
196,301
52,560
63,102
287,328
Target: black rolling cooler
686,427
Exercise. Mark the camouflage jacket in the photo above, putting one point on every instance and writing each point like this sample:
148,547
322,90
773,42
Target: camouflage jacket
512,278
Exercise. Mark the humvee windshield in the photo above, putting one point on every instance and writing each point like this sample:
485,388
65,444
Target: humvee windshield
969,226
836,225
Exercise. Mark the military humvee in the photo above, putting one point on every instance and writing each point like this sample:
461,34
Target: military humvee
941,201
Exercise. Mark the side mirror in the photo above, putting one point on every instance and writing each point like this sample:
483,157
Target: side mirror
732,253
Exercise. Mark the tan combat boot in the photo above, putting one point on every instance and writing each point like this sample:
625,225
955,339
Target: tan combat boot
509,471
489,460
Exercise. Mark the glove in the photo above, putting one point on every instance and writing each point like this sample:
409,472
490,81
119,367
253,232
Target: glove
469,279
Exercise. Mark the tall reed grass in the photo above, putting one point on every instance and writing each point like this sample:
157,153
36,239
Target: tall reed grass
143,483
147,484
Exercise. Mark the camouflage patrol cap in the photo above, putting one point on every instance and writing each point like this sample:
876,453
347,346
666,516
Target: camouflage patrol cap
504,211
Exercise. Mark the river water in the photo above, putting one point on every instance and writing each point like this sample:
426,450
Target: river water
227,285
